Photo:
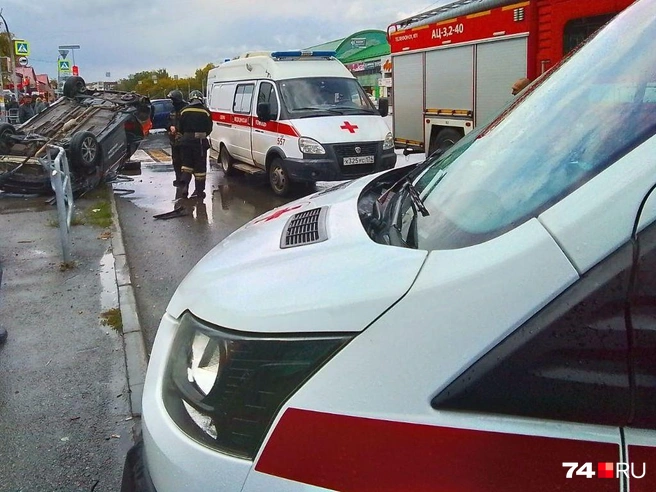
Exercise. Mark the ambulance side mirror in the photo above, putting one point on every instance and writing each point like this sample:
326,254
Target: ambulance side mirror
383,106
264,112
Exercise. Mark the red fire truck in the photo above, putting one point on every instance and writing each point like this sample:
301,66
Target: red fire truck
454,66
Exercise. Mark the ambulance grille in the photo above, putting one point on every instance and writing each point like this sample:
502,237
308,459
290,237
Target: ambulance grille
353,150
356,150
307,227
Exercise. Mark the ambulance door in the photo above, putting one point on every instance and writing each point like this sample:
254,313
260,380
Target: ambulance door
640,460
242,120
220,105
265,134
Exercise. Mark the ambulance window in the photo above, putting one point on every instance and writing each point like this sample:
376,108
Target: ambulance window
221,97
267,94
568,362
243,98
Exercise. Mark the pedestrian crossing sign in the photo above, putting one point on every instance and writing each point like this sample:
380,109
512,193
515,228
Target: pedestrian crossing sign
21,48
64,66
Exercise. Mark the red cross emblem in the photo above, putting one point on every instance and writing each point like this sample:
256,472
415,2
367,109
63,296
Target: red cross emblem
277,214
349,127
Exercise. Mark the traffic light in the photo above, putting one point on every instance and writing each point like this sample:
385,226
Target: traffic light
76,71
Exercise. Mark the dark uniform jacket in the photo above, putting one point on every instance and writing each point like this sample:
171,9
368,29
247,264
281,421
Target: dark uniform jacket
195,124
174,115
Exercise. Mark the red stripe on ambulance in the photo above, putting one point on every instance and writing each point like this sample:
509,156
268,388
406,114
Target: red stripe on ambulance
358,454
252,122
643,456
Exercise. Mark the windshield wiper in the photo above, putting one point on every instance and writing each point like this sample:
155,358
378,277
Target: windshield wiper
416,199
317,108
316,112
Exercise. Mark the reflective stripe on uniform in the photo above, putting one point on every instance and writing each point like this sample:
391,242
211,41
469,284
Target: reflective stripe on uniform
195,110
186,169
200,176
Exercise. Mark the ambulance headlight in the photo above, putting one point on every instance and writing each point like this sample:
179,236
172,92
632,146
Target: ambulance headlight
388,143
310,146
224,388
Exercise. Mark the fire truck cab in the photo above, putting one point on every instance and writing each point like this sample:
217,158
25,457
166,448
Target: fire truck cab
454,66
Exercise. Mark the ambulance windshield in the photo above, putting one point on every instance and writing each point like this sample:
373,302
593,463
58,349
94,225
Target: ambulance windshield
563,131
321,96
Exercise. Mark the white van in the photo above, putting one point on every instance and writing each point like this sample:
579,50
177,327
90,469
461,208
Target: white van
484,321
298,116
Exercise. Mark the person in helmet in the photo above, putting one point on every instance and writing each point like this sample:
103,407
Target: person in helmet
194,125
174,137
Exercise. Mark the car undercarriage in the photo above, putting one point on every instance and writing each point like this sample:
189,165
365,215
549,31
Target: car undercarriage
99,130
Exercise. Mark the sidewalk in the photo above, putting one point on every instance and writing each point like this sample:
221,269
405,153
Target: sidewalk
70,384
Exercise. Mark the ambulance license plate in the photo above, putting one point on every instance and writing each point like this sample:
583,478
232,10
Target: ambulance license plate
361,159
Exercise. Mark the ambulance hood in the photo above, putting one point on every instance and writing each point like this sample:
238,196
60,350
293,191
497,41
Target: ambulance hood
343,128
248,282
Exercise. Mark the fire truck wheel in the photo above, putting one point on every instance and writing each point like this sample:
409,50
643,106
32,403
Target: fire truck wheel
84,151
74,86
278,178
444,140
226,161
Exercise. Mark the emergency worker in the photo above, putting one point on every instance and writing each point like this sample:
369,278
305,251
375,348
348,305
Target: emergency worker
174,136
195,126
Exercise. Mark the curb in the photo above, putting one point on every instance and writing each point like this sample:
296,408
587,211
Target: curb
136,360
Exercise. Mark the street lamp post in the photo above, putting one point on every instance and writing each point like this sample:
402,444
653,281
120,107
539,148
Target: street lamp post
11,54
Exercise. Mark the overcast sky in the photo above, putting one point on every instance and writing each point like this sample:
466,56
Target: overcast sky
128,36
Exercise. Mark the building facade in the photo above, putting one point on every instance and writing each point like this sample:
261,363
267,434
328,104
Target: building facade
366,55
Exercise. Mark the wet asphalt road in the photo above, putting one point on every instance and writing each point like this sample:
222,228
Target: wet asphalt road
161,252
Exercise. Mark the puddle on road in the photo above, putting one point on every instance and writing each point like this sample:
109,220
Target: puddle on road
110,311
158,167
233,200
109,294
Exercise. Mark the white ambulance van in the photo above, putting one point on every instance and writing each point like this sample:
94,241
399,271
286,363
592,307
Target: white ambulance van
484,321
298,116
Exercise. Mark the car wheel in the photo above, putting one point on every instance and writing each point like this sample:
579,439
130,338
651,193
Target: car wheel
84,151
278,178
444,140
226,161
6,129
74,86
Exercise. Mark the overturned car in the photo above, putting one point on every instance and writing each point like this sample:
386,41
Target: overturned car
99,130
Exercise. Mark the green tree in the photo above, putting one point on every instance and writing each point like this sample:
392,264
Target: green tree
201,74
6,51
156,84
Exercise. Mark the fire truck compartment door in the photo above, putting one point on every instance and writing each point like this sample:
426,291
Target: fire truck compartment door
449,72
408,96
499,64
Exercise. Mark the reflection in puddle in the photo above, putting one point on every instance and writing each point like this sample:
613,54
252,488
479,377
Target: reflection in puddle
158,167
200,210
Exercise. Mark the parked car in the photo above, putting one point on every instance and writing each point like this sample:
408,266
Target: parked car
100,130
483,321
162,108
